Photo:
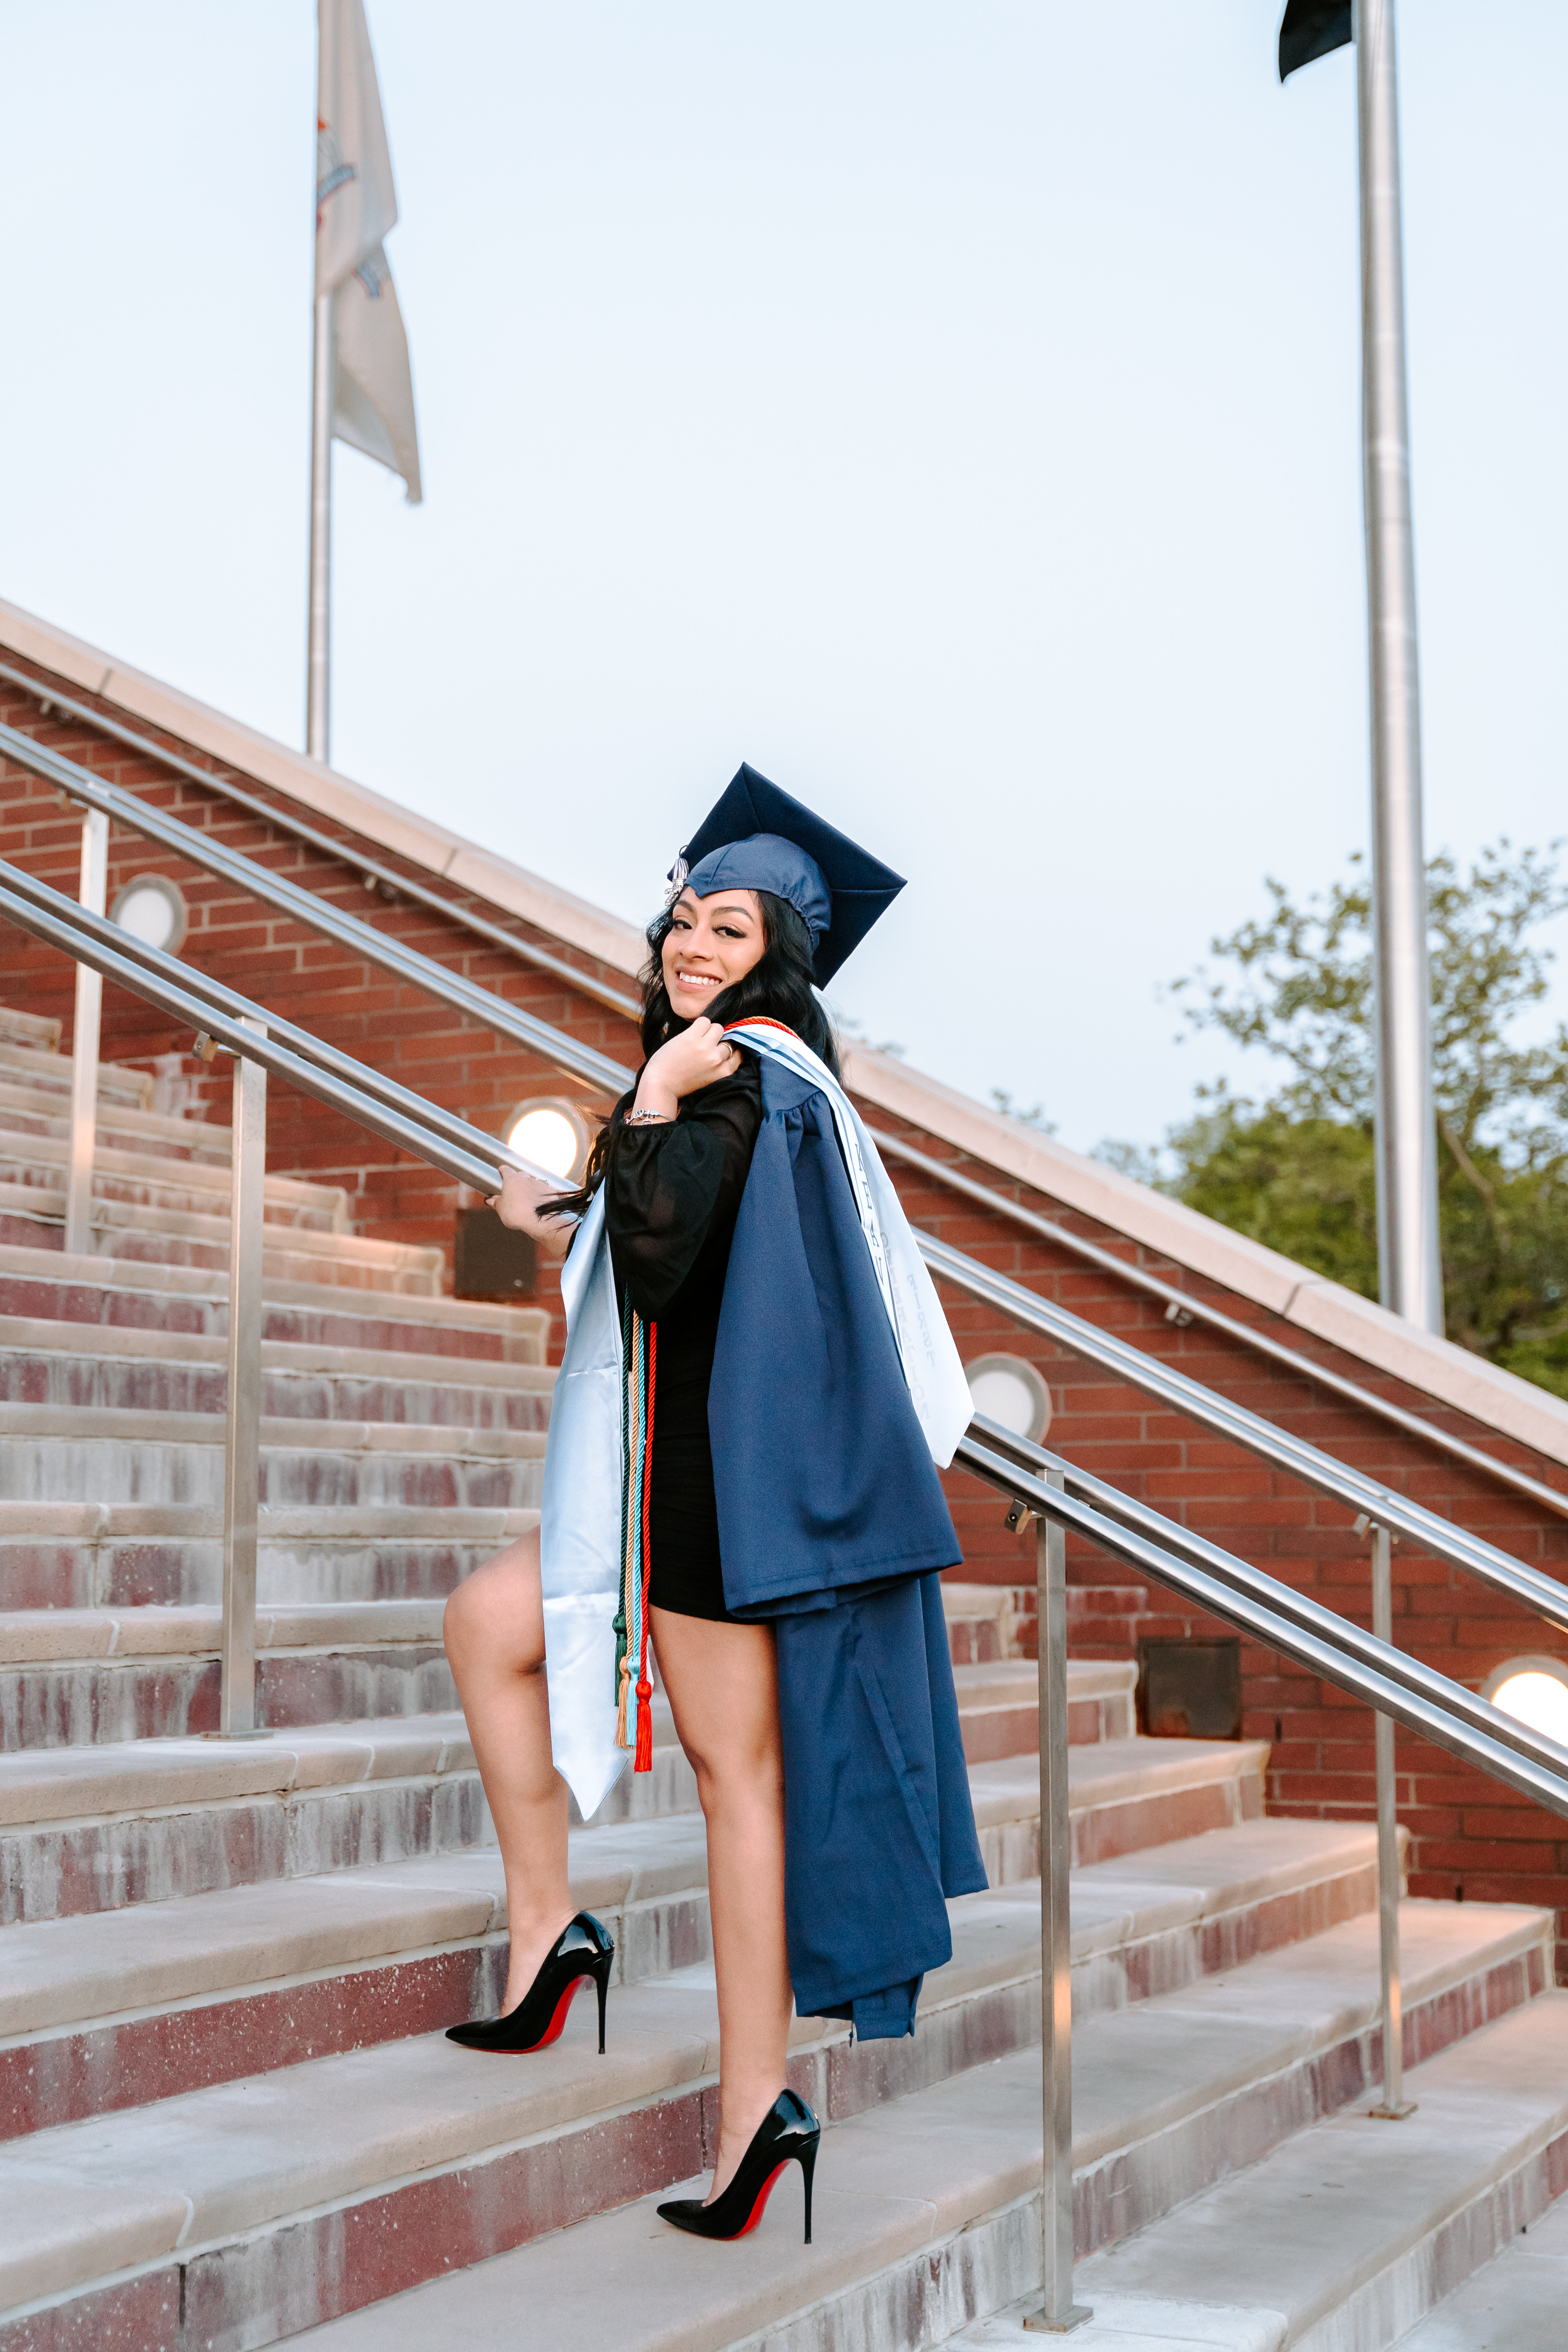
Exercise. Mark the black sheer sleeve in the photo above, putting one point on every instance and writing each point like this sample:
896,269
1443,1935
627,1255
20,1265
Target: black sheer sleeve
667,1187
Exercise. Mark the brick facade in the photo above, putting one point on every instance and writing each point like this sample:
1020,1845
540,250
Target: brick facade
1469,1837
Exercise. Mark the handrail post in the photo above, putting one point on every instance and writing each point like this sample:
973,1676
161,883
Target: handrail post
1059,2311
242,1454
84,1042
1393,2106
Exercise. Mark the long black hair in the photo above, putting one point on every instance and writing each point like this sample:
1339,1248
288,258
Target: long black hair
778,987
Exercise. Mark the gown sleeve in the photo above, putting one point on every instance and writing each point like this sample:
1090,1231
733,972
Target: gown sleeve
666,1186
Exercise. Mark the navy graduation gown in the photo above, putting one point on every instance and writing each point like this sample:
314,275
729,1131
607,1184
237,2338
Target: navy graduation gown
833,1525
822,1477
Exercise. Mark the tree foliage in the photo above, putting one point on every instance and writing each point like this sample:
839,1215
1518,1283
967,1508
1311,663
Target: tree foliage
1295,1169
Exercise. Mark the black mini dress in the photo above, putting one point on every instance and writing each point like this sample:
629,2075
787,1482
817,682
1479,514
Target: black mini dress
672,1192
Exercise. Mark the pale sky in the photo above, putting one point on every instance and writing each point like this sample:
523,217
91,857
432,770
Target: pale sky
951,410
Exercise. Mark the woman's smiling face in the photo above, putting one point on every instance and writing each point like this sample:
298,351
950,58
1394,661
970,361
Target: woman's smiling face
711,944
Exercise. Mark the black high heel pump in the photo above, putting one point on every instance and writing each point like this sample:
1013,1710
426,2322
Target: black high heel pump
584,1950
788,2133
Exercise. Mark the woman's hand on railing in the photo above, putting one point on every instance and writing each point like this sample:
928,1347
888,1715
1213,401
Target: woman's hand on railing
517,1204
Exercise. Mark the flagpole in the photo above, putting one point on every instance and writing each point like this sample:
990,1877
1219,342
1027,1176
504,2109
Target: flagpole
1409,1265
318,656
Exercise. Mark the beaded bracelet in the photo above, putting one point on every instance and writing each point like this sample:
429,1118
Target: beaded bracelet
646,1118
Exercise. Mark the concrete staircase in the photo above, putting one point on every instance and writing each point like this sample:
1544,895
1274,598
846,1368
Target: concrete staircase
228,2116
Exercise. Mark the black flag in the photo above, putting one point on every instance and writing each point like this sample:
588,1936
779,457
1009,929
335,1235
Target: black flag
1310,30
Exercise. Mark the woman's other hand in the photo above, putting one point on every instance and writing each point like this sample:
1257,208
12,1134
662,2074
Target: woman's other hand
683,1065
517,1204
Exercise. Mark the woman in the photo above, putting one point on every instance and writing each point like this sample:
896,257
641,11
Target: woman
732,1197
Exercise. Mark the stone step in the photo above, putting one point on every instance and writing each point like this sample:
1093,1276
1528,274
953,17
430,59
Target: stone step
126,1556
33,1104
135,1370
189,1237
46,1285
118,2008
48,1073
1000,1701
33,1153
1515,2303
1155,1789
39,1033
989,1616
152,1459
243,2214
71,1675
1124,1796
95,1828
90,1829
32,1171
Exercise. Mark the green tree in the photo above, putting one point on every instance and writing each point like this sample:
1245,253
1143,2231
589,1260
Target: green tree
1295,1170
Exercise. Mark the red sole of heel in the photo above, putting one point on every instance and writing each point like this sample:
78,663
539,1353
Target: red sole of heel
557,2024
764,2193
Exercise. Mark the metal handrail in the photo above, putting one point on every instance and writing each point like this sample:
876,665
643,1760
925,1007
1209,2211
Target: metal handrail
1439,1536
200,849
1357,1492
991,1443
50,698
1239,1599
1183,1304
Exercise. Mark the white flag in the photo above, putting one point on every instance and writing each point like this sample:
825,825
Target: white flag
356,204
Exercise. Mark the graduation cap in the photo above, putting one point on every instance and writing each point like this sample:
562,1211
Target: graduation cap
756,837
1311,28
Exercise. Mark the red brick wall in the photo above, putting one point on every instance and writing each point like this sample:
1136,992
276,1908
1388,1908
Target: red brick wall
1469,1836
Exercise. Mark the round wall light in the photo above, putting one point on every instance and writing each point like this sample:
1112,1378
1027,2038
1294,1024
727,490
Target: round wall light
1534,1691
551,1133
151,909
1009,1390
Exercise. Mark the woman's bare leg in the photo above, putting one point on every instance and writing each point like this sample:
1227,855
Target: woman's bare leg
494,1632
722,1686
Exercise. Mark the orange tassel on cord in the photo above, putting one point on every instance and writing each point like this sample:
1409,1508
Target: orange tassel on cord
643,1760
